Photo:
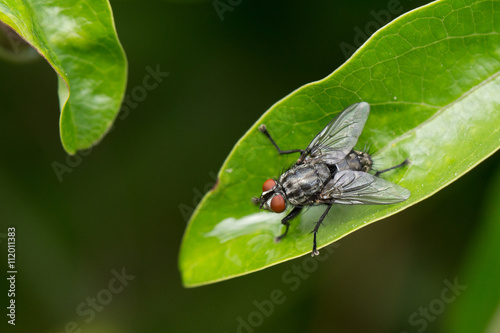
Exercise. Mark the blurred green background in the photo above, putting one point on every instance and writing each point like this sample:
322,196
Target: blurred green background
119,207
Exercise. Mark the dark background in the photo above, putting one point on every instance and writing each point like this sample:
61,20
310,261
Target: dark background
119,207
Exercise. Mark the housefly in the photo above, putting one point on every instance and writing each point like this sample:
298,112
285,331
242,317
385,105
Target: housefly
330,172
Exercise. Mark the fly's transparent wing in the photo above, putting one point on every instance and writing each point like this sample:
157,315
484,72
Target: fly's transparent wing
360,188
339,137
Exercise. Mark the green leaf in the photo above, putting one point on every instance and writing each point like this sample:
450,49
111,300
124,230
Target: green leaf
79,41
431,78
477,308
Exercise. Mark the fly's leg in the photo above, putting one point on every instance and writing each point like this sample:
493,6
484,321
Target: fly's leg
263,129
405,162
315,251
293,214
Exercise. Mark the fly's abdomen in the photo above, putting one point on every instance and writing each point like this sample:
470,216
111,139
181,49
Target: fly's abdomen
356,161
303,182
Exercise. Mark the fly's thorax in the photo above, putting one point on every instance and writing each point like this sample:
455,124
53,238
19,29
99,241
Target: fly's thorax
356,161
302,183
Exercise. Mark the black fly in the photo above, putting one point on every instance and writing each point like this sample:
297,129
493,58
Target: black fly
329,171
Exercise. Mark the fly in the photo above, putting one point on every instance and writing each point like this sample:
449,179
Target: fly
330,172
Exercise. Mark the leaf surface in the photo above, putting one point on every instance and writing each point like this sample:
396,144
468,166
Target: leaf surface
432,80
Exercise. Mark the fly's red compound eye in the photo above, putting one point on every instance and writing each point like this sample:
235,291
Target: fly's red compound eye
278,204
268,184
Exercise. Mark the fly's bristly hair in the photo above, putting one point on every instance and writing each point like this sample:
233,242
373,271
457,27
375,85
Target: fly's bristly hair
367,148
377,159
286,168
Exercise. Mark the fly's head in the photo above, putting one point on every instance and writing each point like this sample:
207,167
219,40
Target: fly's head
272,198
